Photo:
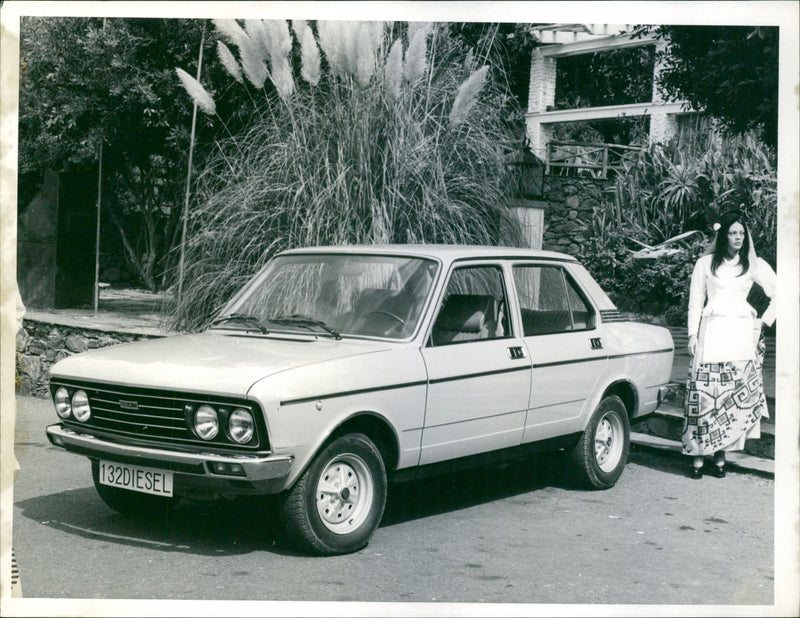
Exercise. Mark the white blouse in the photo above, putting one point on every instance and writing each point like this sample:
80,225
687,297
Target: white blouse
726,292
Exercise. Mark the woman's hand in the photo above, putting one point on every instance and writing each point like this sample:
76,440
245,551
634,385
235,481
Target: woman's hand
692,345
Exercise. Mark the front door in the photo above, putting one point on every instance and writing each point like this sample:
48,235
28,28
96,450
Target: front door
478,372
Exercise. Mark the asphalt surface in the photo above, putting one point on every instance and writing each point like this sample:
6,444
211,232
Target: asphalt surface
514,534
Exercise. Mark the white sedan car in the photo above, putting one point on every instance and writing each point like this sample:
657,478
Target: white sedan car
335,370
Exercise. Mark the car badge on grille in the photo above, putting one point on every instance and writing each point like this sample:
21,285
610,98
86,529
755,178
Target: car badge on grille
128,405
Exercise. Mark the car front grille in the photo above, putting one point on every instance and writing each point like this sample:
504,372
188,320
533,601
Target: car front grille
158,416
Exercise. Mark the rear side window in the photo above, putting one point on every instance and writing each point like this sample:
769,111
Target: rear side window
550,302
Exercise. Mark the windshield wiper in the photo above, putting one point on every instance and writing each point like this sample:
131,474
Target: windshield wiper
243,318
304,320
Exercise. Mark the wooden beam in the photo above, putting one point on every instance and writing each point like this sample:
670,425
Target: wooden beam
607,112
600,44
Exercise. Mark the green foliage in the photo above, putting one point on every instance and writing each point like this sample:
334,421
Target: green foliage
616,77
673,188
86,82
657,286
625,131
666,191
729,71
413,152
507,46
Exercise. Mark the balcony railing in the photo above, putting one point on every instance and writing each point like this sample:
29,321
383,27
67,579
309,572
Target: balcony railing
587,160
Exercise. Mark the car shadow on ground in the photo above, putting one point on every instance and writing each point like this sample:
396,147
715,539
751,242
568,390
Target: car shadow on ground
451,492
226,528
194,527
229,528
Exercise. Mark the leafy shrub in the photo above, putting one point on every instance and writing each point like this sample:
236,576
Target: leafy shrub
658,287
670,189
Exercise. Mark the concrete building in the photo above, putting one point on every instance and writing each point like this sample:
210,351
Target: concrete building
565,40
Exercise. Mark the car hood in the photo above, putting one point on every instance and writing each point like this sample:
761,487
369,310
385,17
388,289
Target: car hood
210,362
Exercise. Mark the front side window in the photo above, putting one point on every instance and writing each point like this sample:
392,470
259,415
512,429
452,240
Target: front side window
473,308
337,294
550,302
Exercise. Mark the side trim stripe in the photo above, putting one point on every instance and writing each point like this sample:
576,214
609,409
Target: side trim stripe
589,359
663,351
481,374
360,391
468,376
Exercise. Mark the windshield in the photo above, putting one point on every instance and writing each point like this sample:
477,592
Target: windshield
334,295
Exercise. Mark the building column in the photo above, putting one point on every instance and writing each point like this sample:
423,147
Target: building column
542,94
663,126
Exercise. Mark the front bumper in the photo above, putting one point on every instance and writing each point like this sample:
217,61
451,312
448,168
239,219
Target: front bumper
260,471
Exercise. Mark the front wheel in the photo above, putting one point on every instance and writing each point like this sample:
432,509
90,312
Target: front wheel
338,502
602,451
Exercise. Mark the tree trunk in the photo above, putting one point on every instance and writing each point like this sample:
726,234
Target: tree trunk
144,270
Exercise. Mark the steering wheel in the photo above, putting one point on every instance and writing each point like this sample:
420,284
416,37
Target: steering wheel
389,314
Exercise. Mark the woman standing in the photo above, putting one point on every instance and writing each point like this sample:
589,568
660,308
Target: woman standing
725,394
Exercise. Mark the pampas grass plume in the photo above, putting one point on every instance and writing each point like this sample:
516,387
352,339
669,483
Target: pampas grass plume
253,65
467,96
393,71
329,42
229,29
309,53
282,77
229,62
348,44
366,56
199,95
258,33
280,39
416,57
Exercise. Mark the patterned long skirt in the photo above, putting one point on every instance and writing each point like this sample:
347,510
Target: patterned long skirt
724,405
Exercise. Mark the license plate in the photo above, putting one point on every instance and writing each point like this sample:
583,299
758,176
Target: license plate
136,478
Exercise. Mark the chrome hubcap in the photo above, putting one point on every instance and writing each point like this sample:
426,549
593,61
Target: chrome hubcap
608,442
344,494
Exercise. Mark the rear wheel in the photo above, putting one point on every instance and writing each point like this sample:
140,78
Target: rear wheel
602,451
132,503
338,502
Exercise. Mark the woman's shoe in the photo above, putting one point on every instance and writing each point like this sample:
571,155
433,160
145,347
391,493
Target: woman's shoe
718,471
695,472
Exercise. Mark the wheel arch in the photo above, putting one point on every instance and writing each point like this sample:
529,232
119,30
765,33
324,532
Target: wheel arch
627,392
377,429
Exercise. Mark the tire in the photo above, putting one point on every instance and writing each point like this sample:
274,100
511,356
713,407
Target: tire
600,455
338,502
132,503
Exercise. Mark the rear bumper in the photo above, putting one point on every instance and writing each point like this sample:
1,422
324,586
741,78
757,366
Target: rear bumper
262,473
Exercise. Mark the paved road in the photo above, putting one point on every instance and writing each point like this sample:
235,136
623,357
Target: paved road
504,534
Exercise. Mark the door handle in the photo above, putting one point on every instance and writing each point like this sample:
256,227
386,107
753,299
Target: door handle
596,343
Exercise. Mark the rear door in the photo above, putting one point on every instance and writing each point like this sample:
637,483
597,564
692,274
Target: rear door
562,336
479,374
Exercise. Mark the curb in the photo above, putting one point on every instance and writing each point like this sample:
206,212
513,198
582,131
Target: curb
739,460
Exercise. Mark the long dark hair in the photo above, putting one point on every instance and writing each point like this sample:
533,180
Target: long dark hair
721,246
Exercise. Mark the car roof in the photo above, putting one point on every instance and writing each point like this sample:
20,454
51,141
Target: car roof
445,253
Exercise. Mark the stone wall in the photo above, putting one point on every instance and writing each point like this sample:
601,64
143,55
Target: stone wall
569,213
41,344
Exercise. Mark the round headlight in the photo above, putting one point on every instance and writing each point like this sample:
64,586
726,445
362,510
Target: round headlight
241,426
61,399
80,406
206,422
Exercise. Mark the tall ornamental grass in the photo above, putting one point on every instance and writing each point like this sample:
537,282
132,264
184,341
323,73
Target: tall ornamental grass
366,133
